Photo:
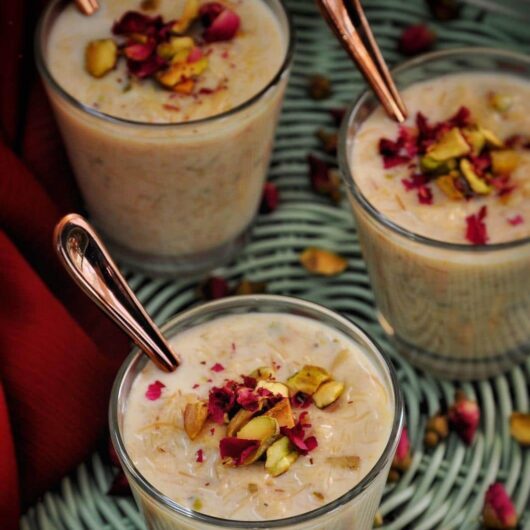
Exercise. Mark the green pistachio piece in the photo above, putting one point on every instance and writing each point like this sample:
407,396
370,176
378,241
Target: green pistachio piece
281,455
100,57
492,139
282,413
263,428
436,167
328,393
262,373
308,379
451,145
477,184
275,388
475,138
240,419
500,102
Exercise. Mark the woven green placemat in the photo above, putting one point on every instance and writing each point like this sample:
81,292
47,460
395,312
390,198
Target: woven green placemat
444,488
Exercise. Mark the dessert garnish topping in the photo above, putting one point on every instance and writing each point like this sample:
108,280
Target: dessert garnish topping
498,511
270,198
324,179
520,427
154,390
154,48
416,39
476,232
402,459
217,367
259,419
199,456
516,220
464,417
323,262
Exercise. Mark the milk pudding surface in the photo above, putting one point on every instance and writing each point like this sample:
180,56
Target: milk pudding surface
458,170
329,436
217,73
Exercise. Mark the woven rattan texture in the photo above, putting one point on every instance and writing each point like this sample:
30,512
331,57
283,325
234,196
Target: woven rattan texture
444,488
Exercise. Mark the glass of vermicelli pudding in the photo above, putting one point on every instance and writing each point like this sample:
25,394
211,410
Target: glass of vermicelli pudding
283,414
168,110
442,206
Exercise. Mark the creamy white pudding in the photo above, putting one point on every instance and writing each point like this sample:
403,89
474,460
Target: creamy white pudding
442,206
351,432
171,163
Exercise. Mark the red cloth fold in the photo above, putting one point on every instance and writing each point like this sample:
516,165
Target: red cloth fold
58,353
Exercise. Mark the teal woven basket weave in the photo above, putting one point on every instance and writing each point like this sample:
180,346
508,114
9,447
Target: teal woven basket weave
444,488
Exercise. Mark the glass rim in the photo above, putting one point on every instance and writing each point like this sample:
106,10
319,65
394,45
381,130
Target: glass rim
46,74
347,172
369,344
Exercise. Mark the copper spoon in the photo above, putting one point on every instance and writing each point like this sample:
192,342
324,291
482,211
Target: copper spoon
87,7
362,48
88,262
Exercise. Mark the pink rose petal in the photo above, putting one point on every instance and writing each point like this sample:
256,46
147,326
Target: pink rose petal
154,390
516,220
236,450
217,367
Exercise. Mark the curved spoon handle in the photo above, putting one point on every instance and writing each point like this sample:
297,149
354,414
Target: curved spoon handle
88,262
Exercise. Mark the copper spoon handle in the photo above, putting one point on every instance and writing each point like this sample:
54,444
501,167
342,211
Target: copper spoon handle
88,262
87,7
365,53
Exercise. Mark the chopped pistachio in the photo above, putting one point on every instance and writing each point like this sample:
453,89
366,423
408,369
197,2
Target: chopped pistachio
275,388
447,185
500,102
195,415
323,262
318,495
240,419
477,184
176,47
262,373
492,139
184,87
252,487
520,427
264,429
282,413
328,393
346,462
178,72
281,455
308,379
451,145
197,504
504,162
100,57
475,138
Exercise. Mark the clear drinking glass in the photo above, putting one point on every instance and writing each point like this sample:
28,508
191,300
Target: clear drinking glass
455,310
355,510
170,198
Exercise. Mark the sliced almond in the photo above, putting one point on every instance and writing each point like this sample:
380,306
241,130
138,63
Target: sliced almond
195,415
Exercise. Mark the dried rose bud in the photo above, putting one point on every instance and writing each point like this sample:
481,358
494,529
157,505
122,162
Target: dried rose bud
416,39
213,288
520,427
248,287
338,115
322,262
270,198
464,417
319,87
402,459
120,486
324,180
220,22
444,9
498,511
329,141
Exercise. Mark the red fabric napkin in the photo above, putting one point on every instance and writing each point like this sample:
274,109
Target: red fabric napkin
58,353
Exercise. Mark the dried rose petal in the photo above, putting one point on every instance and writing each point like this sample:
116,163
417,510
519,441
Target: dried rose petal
425,195
408,137
217,367
518,141
301,400
444,10
154,390
270,198
416,180
214,288
338,115
134,22
236,451
139,51
391,153
147,68
220,402
249,381
195,55
476,231
416,39
464,417
461,118
498,511
481,163
220,27
248,399
515,220
120,486
199,456
296,435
